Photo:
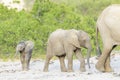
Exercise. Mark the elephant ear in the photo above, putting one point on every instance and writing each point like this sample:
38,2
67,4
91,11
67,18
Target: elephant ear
73,39
29,46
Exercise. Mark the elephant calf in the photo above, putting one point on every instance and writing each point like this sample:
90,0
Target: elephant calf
25,48
63,43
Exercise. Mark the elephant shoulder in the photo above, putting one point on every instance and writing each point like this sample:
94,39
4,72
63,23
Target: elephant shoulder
72,38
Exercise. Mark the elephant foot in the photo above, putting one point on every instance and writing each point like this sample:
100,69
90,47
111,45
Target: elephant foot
100,67
82,69
26,69
63,70
45,70
108,69
70,71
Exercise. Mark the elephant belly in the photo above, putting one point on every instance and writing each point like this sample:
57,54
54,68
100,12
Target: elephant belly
59,50
115,35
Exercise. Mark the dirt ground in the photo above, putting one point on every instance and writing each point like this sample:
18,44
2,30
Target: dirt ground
12,71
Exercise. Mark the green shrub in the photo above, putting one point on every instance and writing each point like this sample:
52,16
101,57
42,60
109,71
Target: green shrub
45,17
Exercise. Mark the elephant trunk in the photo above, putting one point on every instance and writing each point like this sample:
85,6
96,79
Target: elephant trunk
88,55
16,53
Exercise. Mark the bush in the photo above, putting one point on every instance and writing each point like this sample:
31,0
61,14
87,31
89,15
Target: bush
47,16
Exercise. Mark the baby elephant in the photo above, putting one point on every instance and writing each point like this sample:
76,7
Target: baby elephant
25,49
63,43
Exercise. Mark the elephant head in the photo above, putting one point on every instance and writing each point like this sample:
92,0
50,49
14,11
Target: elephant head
80,39
20,47
84,41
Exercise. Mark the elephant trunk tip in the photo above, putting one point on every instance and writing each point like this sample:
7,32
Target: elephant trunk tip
88,57
88,63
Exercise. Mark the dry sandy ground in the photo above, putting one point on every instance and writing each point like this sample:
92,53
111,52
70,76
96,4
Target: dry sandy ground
12,71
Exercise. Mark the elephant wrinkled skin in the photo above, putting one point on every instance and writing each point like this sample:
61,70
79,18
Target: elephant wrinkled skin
63,43
108,24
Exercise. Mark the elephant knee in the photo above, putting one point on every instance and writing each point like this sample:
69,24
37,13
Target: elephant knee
82,61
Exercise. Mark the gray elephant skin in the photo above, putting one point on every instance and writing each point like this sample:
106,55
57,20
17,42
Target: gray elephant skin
63,43
25,49
108,24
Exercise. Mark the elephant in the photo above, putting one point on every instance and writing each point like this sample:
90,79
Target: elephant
63,43
108,24
25,49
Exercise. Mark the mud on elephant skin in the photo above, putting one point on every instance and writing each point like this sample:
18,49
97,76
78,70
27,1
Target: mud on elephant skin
108,24
63,43
25,49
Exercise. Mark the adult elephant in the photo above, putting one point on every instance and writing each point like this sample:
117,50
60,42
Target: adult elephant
108,24
63,43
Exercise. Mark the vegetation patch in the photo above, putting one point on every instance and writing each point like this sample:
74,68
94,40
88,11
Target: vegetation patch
45,17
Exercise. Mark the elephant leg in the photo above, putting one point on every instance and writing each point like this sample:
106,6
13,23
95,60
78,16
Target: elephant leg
26,66
48,57
27,61
62,64
81,59
107,65
70,61
22,58
101,62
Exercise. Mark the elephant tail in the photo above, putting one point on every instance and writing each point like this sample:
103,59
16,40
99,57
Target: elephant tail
98,50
